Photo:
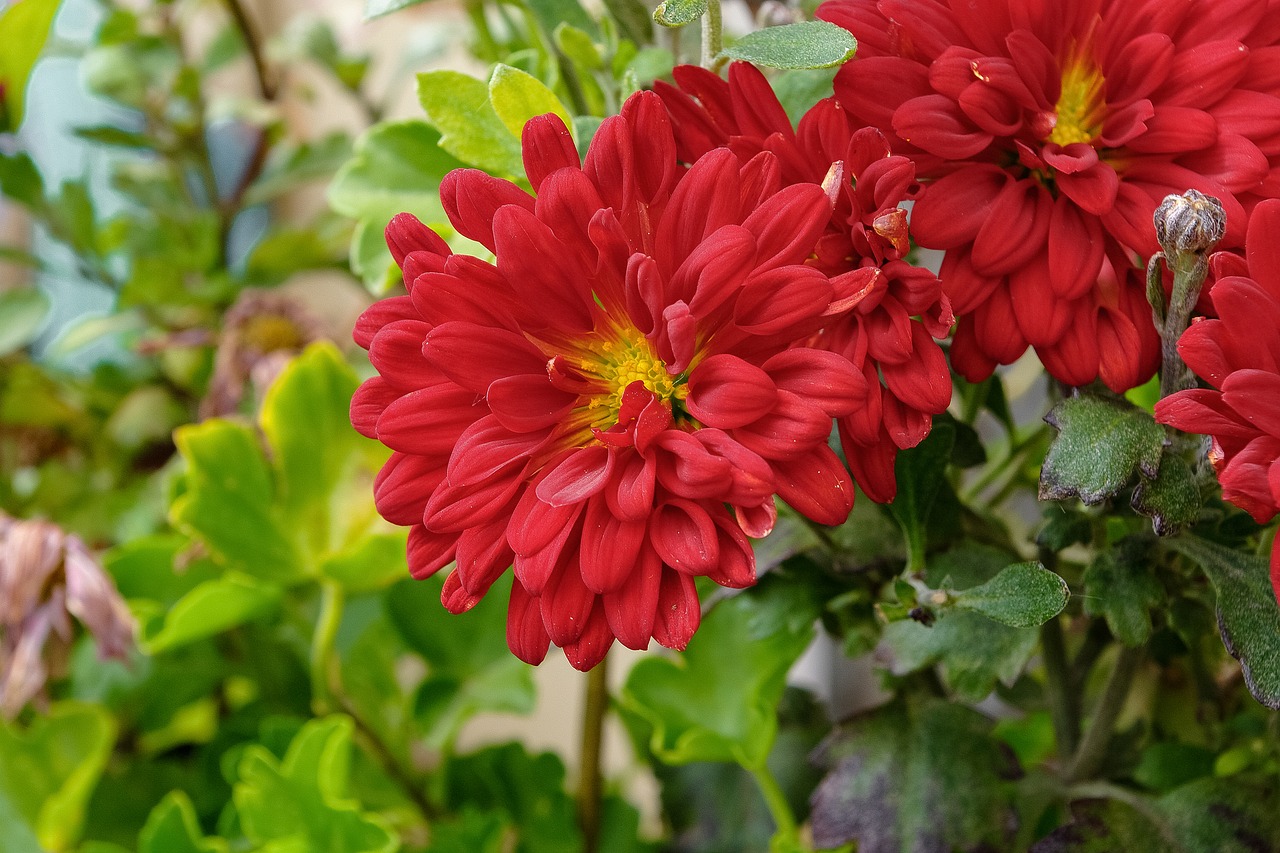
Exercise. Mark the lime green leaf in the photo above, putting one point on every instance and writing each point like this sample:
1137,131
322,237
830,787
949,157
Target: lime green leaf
1101,445
1171,500
1119,586
370,257
1023,595
24,27
369,565
469,666
21,317
718,701
301,802
229,501
1247,612
808,44
458,106
920,779
48,771
579,47
172,827
677,13
395,167
211,608
518,97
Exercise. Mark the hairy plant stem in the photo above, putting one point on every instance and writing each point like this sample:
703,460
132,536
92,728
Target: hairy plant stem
1189,272
1093,746
783,818
590,778
712,33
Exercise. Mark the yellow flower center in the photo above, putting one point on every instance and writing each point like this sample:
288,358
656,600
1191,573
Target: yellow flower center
617,362
1080,108
271,332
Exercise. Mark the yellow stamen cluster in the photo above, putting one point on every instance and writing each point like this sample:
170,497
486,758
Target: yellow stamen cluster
618,362
1080,108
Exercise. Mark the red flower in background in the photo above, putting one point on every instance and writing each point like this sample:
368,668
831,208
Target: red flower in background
889,335
614,403
1239,355
1050,133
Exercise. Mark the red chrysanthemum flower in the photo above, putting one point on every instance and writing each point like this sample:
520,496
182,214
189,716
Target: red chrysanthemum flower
890,335
1050,132
613,404
1239,355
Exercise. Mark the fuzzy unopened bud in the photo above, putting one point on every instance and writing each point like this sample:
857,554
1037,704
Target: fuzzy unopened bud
1191,222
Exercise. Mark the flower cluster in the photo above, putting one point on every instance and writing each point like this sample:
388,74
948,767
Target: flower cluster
1239,355
612,405
1048,134
889,335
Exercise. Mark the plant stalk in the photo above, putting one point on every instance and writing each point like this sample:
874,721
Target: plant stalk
1093,747
783,818
323,661
712,34
590,777
1064,703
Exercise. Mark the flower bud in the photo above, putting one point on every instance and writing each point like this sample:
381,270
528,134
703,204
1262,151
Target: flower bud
1191,222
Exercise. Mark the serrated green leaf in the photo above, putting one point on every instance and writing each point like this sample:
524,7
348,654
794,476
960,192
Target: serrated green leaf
1119,586
1247,612
973,651
927,780
1023,595
301,802
807,44
48,771
517,97
458,107
718,701
24,27
371,564
211,608
1171,500
22,314
172,827
677,13
527,790
1100,447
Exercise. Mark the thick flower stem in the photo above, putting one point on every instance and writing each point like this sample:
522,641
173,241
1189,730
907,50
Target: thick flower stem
590,778
712,26
1189,272
784,820
1093,746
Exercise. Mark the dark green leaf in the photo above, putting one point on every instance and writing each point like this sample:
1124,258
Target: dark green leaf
458,106
633,18
1063,528
1024,595
22,315
119,137
677,13
925,780
20,180
473,831
921,472
1107,826
527,789
1101,445
1171,500
718,702
1247,612
1119,586
1168,764
173,828
973,651
808,44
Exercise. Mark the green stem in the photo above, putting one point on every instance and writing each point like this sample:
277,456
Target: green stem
323,662
1189,273
1064,703
590,778
783,818
712,27
1097,737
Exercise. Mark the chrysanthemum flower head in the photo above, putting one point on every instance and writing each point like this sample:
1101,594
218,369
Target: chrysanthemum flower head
612,404
1049,133
889,335
1238,354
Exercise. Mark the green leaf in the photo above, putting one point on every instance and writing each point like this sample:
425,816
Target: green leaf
290,166
301,802
633,18
1023,595
378,8
1168,764
677,13
24,27
371,564
172,827
1106,826
718,701
458,106
579,47
1063,528
395,167
20,180
550,13
370,257
927,779
470,668
517,97
799,90
1119,586
528,790
22,315
473,831
973,651
1171,500
47,773
807,44
921,473
1248,616
211,608
1101,445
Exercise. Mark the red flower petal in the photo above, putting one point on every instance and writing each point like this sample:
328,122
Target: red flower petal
526,636
726,392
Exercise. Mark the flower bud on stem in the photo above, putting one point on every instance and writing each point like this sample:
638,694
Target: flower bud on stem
1188,227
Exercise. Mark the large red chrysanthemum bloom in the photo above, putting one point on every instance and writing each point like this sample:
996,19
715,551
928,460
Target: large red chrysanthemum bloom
1050,132
890,334
1239,355
613,404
